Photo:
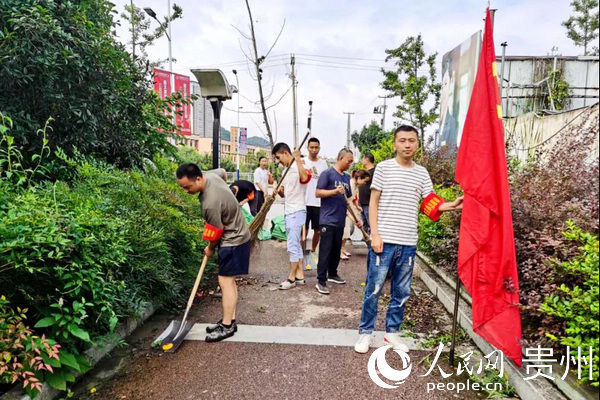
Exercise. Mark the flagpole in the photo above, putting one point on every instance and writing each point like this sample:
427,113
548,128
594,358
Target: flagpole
455,318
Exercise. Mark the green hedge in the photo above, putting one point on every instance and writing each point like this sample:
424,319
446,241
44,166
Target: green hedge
83,255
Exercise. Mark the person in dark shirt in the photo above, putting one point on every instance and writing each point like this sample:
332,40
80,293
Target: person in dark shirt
364,191
333,188
243,191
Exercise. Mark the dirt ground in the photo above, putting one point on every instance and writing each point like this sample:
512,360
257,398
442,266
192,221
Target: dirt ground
231,370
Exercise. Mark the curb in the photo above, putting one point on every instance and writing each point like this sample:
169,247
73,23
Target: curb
94,355
535,389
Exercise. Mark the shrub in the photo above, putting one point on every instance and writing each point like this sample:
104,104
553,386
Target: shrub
83,255
60,59
576,304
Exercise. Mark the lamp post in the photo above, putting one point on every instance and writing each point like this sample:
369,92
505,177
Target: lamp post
167,31
237,145
215,88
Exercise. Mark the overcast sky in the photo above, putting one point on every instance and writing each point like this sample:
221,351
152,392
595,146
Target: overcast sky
328,37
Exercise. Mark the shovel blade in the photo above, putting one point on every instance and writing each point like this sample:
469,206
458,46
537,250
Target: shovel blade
174,343
168,334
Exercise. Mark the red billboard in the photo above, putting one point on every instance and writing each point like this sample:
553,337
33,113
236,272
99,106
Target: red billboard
182,118
162,85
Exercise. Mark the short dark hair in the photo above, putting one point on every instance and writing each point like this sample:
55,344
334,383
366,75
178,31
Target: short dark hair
260,159
343,152
369,157
188,170
406,128
313,139
281,147
362,174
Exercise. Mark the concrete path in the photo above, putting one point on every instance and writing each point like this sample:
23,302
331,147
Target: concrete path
292,344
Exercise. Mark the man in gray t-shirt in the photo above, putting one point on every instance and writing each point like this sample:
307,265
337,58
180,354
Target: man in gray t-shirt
226,228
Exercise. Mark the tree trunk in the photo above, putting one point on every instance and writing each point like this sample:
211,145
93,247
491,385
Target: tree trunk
259,77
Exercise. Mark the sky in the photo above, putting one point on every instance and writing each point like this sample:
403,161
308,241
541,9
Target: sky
339,47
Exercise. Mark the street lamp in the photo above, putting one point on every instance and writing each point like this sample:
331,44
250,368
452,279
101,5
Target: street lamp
214,88
167,31
237,146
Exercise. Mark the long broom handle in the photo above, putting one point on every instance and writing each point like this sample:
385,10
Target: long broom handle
193,294
355,220
301,144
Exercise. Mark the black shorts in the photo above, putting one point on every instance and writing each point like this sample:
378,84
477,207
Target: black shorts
312,217
234,260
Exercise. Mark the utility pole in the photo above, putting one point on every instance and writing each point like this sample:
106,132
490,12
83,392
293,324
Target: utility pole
295,111
132,16
383,113
348,130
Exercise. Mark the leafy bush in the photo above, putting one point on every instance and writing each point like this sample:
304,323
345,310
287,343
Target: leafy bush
576,304
32,359
84,255
60,59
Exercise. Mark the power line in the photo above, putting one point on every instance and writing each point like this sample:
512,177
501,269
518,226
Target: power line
339,63
346,58
340,67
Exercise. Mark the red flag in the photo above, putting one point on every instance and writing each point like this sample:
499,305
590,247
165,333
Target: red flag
486,251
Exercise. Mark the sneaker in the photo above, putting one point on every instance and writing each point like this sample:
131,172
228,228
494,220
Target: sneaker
336,279
322,288
396,341
287,284
212,328
363,343
220,333
300,281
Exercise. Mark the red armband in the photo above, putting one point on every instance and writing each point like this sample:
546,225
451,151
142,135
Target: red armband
307,179
251,196
431,206
211,233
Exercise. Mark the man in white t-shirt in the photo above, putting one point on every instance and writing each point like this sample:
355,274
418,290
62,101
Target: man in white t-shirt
397,187
316,166
293,190
261,184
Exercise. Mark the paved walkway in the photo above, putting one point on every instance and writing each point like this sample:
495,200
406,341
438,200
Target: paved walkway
293,344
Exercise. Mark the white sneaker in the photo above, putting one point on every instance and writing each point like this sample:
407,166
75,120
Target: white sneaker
363,343
287,284
396,341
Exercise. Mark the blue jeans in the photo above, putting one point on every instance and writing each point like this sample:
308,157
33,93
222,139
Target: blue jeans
365,218
400,259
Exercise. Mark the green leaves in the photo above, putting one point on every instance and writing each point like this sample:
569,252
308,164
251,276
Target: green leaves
577,304
80,333
414,81
45,322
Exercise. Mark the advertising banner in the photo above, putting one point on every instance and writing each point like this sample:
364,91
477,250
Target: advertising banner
162,84
184,111
243,141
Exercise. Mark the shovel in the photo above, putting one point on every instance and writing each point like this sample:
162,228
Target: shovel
306,262
352,216
173,336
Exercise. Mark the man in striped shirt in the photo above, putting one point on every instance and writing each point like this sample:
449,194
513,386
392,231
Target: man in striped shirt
397,187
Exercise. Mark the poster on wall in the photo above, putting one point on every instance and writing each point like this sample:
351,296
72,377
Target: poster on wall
183,111
459,67
162,84
243,141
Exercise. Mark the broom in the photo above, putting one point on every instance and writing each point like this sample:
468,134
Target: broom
259,218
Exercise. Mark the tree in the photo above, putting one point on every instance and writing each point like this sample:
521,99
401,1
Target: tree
139,24
257,62
582,28
61,60
414,81
369,137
